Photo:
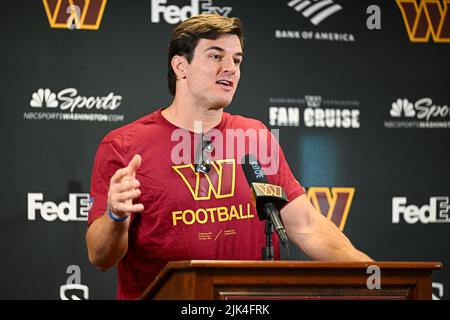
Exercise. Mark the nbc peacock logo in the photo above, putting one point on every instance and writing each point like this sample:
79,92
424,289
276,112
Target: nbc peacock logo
402,107
43,98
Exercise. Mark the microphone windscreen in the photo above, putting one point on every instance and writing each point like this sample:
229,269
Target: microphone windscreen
252,169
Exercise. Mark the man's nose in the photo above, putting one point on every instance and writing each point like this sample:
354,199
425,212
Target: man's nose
229,66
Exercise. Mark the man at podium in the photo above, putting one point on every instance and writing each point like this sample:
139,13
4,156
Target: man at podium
171,185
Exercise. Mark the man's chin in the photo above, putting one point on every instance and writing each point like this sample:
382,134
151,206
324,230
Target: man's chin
221,104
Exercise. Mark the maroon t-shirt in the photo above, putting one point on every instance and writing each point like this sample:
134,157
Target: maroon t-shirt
187,215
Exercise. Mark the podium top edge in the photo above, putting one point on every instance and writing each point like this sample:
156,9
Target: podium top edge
244,266
304,264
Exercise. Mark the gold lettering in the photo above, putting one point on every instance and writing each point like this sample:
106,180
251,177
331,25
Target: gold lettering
211,213
245,214
176,216
222,214
205,216
234,213
249,214
192,215
219,214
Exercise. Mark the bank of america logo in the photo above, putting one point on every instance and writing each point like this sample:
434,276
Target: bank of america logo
315,10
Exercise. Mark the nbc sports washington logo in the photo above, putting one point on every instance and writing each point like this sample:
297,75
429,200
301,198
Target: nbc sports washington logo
75,14
425,18
423,113
47,105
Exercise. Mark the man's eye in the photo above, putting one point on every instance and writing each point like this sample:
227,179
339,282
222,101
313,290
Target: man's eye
237,61
216,57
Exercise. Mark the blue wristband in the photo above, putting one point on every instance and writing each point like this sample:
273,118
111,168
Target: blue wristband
112,216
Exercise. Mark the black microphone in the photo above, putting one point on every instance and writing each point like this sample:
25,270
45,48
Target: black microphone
202,161
268,198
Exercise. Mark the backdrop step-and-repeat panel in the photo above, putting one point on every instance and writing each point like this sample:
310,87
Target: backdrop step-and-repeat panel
359,91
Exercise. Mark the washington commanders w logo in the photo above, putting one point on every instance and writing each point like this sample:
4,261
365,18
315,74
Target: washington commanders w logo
220,181
428,18
71,14
269,190
334,205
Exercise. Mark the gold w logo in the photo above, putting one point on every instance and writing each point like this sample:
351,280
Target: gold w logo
430,17
79,14
269,190
334,205
220,180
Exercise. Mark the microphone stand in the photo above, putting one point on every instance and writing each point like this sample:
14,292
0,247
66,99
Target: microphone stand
271,221
267,251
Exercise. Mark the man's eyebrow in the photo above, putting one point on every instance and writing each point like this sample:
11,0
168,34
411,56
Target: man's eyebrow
222,50
215,48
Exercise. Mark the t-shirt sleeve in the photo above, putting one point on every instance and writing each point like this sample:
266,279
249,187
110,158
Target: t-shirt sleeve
279,172
286,179
107,161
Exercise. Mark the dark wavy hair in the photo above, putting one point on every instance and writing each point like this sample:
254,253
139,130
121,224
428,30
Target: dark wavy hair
186,35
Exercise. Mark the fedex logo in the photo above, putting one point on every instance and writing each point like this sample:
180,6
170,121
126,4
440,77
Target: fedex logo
173,14
76,209
437,211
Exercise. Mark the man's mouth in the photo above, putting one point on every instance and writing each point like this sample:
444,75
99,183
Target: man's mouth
226,83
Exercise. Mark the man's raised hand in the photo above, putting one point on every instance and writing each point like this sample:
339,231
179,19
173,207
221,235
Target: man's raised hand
123,188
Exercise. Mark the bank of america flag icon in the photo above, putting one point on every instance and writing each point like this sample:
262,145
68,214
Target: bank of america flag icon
315,10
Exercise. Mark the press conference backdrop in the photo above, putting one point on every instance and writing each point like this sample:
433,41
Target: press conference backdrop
358,89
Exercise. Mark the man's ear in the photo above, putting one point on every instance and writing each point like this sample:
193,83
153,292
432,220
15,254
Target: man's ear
179,66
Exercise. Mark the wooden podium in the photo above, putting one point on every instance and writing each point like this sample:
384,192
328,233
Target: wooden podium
286,280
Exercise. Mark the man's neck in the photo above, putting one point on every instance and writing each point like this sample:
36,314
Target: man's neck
185,115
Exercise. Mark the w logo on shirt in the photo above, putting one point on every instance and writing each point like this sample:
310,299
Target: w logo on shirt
428,18
219,182
333,203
